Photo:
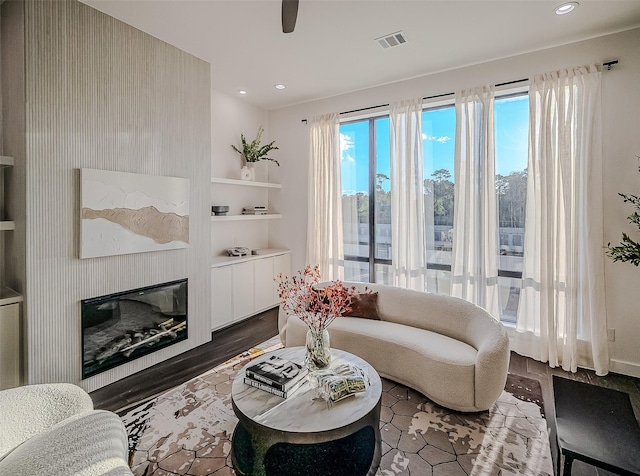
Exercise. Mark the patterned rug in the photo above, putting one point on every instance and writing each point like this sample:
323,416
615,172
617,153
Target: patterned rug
187,430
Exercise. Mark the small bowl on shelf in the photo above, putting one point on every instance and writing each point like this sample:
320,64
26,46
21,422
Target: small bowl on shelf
219,210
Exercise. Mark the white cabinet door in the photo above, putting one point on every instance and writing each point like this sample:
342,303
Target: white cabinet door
9,346
243,289
281,264
263,284
221,296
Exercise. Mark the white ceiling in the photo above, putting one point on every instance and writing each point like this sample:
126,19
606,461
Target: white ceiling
332,49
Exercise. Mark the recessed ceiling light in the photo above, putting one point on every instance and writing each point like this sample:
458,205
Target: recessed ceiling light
242,91
566,8
279,86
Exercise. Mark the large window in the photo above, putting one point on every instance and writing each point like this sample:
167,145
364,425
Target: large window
367,205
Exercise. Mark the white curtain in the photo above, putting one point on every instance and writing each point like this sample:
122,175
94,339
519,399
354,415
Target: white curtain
324,224
407,195
561,316
475,252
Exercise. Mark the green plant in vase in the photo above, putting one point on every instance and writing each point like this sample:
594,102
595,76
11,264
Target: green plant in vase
628,250
252,152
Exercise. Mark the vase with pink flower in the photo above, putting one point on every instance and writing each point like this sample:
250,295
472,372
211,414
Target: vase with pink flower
316,306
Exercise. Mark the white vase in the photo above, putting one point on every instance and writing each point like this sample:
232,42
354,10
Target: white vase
245,173
252,169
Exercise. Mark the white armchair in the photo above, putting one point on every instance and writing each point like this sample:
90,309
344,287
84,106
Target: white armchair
53,429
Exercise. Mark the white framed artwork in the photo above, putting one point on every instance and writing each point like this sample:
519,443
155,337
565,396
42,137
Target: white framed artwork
123,213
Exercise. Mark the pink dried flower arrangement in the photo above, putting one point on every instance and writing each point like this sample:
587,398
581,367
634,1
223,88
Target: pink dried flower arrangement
316,307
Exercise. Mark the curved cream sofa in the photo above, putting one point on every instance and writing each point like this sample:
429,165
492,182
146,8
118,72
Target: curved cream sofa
452,351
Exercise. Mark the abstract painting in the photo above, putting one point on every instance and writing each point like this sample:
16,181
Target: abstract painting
122,213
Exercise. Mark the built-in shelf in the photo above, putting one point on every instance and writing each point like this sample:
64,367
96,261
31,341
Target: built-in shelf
6,161
7,225
270,216
9,296
246,183
219,261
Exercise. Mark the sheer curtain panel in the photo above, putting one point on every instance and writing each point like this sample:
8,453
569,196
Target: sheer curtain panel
561,316
474,268
324,222
407,195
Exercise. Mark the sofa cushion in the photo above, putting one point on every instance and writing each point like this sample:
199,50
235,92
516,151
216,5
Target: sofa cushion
364,305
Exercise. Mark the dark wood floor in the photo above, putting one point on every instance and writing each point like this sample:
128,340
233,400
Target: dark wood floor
235,339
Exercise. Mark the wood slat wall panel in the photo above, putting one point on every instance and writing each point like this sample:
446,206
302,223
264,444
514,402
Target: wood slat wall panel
101,94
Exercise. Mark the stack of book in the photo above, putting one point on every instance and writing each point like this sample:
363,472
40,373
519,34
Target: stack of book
255,210
276,375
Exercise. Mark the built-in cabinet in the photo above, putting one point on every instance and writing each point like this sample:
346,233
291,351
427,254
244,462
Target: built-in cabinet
9,305
243,286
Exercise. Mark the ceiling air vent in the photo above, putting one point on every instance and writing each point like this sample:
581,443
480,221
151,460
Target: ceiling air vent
394,39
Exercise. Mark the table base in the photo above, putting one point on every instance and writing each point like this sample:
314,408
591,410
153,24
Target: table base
352,455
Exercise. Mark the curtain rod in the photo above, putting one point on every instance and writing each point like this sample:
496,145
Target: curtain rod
608,65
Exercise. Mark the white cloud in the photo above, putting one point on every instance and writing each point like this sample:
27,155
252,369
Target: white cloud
441,139
348,158
346,142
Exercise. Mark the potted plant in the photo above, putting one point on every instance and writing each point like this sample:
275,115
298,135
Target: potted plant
252,152
628,249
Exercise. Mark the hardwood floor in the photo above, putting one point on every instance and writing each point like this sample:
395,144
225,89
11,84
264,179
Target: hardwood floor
232,340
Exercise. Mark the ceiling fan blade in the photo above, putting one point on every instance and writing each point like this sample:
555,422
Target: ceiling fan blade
289,15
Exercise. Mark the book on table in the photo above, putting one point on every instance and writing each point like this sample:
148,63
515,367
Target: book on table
272,390
277,373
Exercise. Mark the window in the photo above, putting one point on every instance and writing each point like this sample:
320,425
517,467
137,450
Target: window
367,206
511,116
366,199
438,145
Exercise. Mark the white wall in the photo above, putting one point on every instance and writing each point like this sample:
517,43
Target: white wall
621,143
230,118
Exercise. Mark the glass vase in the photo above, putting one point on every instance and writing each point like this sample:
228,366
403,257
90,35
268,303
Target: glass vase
318,350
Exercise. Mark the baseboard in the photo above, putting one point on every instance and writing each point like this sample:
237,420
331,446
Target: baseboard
631,369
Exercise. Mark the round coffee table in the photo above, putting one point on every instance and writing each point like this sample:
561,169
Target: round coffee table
300,435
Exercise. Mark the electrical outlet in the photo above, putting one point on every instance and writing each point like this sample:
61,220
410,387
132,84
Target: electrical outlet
611,335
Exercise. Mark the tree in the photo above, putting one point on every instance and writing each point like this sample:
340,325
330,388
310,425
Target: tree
628,249
512,198
443,190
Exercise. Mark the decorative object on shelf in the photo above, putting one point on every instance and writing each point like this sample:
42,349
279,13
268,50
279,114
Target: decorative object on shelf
238,251
317,307
255,210
220,210
246,173
252,152
629,249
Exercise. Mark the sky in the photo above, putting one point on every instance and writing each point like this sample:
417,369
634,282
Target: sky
438,141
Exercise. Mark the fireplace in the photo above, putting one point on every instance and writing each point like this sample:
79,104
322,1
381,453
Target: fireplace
121,327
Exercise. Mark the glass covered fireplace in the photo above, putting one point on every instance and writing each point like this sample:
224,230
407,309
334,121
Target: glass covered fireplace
120,327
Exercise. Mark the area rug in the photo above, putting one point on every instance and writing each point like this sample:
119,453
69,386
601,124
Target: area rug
187,430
